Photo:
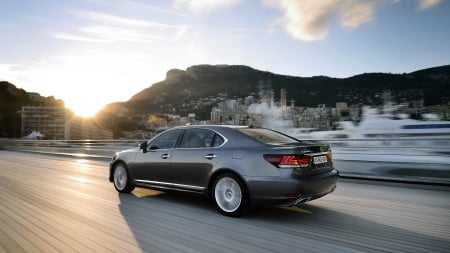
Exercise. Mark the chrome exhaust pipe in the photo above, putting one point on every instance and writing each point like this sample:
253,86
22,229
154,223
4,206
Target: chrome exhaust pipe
301,200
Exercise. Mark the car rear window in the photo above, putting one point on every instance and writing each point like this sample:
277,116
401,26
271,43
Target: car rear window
267,136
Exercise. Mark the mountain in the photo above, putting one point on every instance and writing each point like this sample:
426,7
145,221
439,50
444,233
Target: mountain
199,88
11,101
182,90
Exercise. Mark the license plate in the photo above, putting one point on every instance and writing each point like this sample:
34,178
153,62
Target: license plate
320,159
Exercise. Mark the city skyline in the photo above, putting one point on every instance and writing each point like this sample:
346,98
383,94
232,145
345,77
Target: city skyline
115,49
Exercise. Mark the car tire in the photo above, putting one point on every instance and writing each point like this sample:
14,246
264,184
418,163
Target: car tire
230,195
121,179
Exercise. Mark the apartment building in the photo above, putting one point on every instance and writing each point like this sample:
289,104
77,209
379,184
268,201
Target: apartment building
49,121
56,123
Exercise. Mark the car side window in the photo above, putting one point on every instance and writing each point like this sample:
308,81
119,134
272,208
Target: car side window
166,140
197,138
217,141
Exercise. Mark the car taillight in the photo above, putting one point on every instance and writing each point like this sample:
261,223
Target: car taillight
288,161
330,156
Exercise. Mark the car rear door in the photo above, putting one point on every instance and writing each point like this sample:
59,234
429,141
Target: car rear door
193,160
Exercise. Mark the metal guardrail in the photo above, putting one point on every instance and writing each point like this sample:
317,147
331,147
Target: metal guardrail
425,160
88,148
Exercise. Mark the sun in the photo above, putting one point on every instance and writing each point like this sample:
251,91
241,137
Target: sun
84,112
85,108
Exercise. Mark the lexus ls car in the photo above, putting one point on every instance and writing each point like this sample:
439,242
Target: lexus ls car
238,167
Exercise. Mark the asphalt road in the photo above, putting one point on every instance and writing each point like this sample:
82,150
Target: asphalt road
63,204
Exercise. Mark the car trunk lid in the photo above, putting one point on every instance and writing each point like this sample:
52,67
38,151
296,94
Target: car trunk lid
309,159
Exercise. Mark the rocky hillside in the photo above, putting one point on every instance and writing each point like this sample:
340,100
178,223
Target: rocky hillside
181,88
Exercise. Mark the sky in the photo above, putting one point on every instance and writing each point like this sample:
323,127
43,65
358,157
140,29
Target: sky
93,52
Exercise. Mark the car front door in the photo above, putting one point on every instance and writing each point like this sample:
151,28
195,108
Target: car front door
152,167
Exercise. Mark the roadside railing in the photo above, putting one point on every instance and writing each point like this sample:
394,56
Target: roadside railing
425,160
87,148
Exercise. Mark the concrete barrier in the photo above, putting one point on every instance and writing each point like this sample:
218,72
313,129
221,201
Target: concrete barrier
400,164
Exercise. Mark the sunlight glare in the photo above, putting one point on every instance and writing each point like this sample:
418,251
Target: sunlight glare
82,164
82,180
85,110
87,80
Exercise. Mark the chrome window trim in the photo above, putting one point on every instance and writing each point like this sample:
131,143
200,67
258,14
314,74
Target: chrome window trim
191,187
206,128
221,135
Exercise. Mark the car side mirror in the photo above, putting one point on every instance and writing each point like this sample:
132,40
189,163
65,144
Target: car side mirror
143,146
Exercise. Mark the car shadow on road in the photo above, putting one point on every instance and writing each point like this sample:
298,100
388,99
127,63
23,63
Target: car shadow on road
179,222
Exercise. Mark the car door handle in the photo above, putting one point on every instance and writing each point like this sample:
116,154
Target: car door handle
165,156
210,156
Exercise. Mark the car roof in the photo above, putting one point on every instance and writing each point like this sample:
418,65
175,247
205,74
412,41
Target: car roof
210,126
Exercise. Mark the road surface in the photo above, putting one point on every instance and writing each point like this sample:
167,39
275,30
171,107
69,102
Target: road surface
64,204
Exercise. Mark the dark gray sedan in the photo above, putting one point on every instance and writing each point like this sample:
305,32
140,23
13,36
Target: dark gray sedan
238,167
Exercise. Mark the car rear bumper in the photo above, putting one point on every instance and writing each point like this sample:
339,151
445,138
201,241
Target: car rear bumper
273,191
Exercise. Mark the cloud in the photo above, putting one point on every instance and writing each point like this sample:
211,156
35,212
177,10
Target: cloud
8,72
104,28
307,20
354,13
203,6
425,4
137,6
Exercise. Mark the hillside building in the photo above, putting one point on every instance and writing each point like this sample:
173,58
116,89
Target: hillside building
49,121
216,115
56,123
